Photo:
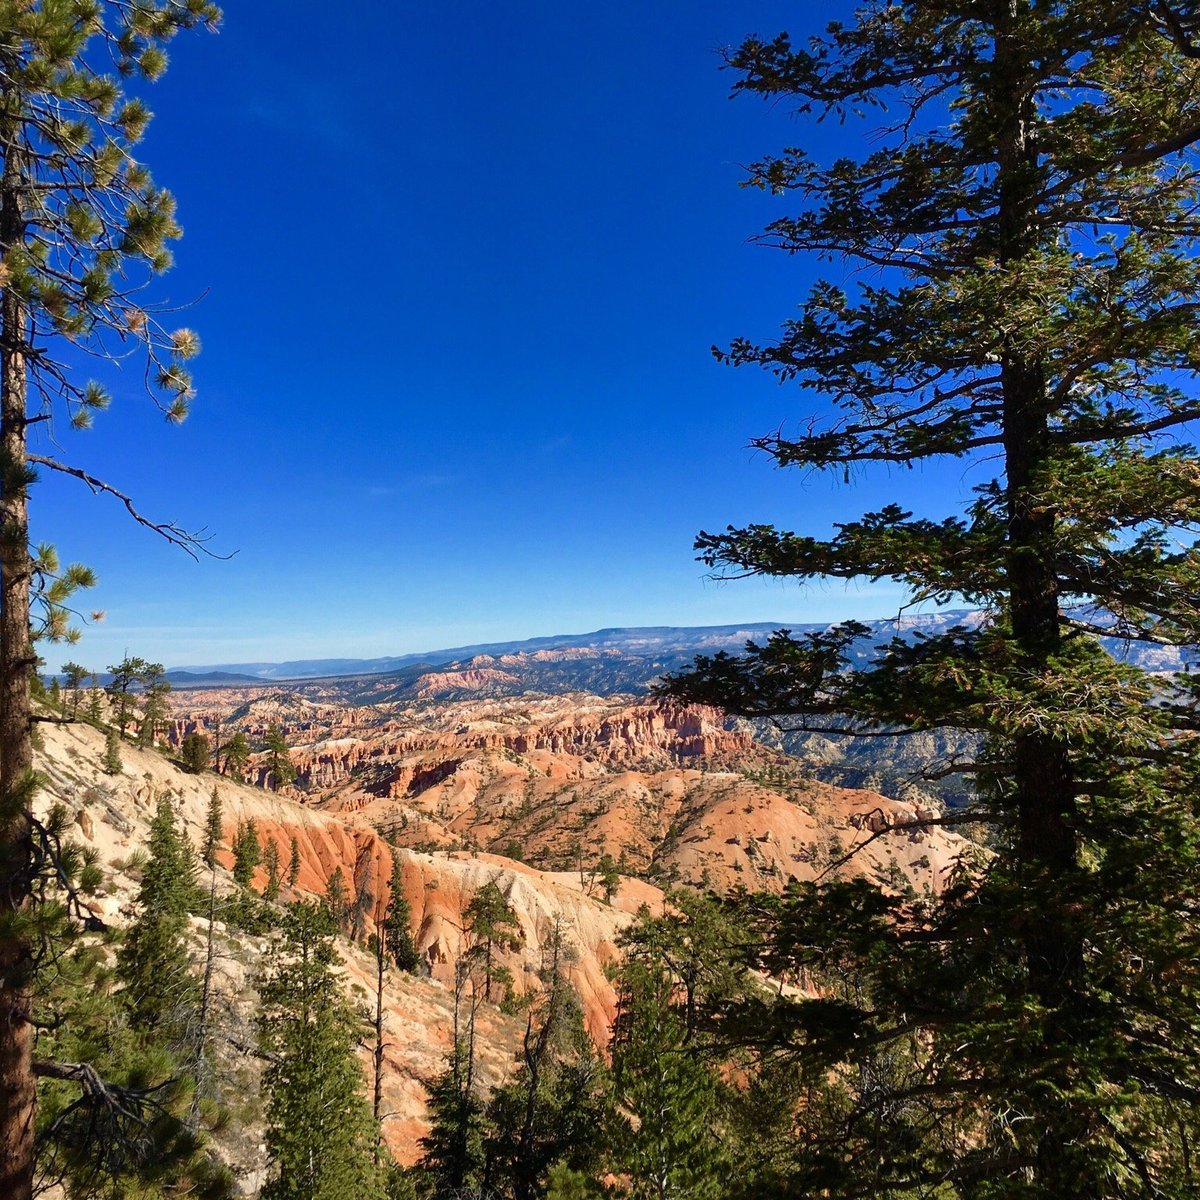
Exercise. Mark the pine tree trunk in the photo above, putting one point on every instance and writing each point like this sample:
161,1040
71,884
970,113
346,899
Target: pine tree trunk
202,1058
17,1087
1045,787
377,1098
1043,778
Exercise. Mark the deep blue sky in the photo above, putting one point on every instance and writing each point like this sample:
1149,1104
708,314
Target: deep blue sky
461,266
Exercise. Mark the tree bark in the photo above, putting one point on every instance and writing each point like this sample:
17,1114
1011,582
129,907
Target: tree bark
377,1097
17,1084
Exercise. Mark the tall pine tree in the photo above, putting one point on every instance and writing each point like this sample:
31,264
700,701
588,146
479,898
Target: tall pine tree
552,1111
280,768
493,928
1029,304
82,225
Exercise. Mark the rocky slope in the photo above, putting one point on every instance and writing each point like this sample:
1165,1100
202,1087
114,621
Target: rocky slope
674,792
112,814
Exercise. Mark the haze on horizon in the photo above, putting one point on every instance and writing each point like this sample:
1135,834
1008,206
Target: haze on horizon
458,281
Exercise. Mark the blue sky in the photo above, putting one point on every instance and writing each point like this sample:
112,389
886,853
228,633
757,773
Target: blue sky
459,267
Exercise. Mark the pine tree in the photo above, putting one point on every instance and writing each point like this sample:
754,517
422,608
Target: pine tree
1025,225
74,674
397,923
214,832
217,744
247,853
294,864
194,753
337,899
155,709
237,754
271,859
666,1095
112,752
551,1112
126,675
279,764
494,928
160,993
609,877
95,703
565,1183
213,841
320,1137
112,1099
393,945
452,1151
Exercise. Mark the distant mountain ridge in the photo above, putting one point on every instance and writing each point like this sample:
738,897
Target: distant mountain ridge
667,641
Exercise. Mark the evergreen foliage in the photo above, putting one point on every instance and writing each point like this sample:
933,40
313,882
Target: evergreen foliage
126,675
210,845
1025,221
194,753
237,755
280,768
114,1119
113,1096
494,928
667,1097
155,687
247,853
392,944
271,859
701,946
550,1113
214,831
453,1157
320,1137
565,1183
609,876
396,926
153,964
74,675
112,752
337,899
293,872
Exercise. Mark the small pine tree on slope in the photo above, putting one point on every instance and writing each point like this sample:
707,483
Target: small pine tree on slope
665,1138
320,1136
153,963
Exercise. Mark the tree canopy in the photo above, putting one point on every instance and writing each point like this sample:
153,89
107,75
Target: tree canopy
1022,294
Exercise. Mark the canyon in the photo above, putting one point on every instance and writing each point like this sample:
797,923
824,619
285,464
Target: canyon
535,793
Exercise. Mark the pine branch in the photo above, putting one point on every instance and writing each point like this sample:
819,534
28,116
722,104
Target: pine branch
192,543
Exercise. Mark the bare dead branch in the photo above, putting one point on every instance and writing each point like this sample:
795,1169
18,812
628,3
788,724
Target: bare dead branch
193,543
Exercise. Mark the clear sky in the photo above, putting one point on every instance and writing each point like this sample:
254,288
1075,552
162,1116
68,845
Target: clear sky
459,266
